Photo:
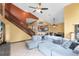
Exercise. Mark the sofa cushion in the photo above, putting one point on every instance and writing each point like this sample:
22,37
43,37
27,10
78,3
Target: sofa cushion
48,38
37,37
33,44
57,40
76,50
46,47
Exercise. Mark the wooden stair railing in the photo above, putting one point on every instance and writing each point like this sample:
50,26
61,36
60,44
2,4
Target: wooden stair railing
18,17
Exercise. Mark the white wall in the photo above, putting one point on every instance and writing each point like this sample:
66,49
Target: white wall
54,10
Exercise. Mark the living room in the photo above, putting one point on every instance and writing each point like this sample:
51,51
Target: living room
38,20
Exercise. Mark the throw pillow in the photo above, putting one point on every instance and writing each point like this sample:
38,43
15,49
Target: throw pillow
73,45
67,44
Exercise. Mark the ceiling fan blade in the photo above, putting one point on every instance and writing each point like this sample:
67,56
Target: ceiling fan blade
32,7
34,11
44,8
41,12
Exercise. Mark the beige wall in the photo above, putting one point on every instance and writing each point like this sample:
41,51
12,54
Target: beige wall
71,17
58,28
17,35
13,33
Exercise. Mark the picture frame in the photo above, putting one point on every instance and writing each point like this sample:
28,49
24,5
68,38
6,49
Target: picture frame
43,28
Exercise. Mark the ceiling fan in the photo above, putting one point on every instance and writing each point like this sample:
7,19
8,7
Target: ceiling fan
39,8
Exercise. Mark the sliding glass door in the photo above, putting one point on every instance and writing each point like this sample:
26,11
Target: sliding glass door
77,32
2,32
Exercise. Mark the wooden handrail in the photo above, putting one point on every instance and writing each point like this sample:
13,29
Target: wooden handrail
18,17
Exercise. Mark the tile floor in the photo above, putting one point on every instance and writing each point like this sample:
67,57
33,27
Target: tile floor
20,49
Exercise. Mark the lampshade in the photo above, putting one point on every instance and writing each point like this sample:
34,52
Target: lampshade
54,25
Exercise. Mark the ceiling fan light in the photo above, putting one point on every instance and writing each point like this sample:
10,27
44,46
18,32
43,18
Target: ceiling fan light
38,10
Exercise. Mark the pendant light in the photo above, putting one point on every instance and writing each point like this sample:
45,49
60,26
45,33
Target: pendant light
54,24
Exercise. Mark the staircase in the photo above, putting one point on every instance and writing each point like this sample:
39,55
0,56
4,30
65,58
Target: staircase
19,17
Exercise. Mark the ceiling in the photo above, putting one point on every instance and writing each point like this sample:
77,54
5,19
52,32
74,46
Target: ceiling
54,10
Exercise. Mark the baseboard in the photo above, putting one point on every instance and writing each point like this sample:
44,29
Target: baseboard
19,41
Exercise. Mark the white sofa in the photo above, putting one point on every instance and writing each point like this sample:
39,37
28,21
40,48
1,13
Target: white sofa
47,46
51,49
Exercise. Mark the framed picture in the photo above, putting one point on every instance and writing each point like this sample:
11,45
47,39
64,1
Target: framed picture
43,28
